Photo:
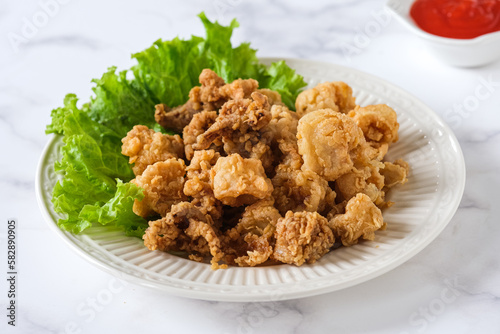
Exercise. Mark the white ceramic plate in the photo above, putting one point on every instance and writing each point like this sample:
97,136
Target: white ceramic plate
423,207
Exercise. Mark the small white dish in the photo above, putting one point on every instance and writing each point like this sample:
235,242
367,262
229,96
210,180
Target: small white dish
423,207
472,52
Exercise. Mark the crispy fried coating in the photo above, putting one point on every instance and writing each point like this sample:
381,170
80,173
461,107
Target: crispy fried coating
272,96
328,95
295,189
338,208
145,147
213,89
360,220
290,157
238,89
185,228
238,125
395,173
373,179
200,123
378,122
298,190
199,186
302,237
376,151
282,129
208,93
329,143
162,183
198,230
242,116
363,179
214,92
162,234
259,218
250,145
261,179
176,118
210,96
237,181
250,242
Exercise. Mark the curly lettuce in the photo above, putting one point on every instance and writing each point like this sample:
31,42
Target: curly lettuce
94,186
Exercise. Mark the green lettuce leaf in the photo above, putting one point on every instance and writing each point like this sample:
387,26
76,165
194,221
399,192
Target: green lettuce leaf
117,211
59,114
119,103
92,168
94,185
284,80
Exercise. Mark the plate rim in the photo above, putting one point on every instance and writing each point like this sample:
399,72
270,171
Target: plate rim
286,295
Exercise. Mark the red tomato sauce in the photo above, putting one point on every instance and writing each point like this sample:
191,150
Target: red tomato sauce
461,19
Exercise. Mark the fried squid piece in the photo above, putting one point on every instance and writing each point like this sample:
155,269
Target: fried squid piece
237,181
198,184
199,124
176,118
250,242
238,125
210,96
162,183
373,179
185,228
395,173
376,151
243,116
273,97
145,147
207,95
237,90
302,237
250,145
363,179
330,143
162,234
360,220
379,123
283,130
298,190
332,95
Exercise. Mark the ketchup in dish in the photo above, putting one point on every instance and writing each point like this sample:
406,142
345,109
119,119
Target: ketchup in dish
457,18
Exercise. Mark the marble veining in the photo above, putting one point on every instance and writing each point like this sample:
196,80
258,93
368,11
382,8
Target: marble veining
449,287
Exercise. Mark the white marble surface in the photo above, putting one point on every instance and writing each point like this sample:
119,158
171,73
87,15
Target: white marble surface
452,286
